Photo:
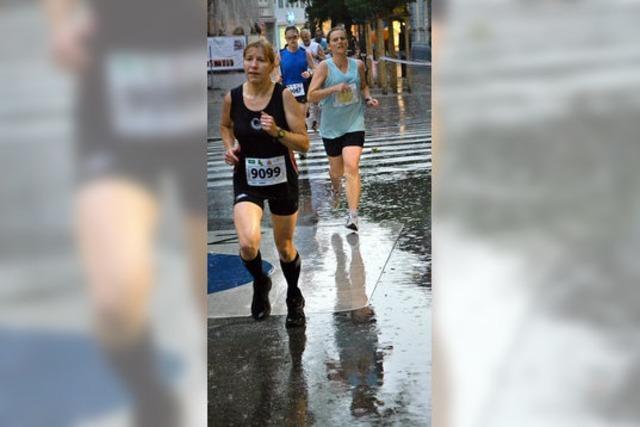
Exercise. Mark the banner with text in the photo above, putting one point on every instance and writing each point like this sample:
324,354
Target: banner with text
225,53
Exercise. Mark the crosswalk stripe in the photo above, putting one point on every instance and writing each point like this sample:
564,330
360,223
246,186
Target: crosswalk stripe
320,156
418,156
374,137
318,145
381,155
363,172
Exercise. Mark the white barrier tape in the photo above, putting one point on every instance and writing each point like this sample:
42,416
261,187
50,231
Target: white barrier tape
402,61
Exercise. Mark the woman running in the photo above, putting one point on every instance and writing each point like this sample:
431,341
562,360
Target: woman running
266,120
339,84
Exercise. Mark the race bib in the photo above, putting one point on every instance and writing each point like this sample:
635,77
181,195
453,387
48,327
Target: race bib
263,172
155,94
342,99
297,89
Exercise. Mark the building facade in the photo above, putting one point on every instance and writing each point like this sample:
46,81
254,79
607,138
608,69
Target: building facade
248,17
268,18
287,13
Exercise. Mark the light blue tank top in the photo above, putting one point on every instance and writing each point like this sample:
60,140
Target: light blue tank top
342,113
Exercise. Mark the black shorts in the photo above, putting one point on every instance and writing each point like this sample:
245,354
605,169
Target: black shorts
148,167
284,207
334,146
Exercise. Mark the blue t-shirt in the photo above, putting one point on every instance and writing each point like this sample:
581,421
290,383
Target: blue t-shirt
292,65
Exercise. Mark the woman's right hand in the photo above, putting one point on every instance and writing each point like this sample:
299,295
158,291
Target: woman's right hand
231,155
342,87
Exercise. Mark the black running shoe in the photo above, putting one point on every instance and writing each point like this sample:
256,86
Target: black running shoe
260,306
295,311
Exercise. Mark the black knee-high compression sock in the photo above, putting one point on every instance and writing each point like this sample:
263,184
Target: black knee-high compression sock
291,272
255,266
136,365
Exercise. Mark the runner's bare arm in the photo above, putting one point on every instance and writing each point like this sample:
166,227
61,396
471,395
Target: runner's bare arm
315,92
276,74
297,138
226,132
69,33
363,78
364,87
310,64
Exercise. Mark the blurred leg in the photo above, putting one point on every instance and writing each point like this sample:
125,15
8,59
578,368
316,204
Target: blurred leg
196,230
115,222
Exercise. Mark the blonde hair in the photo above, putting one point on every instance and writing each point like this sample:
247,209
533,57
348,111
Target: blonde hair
266,47
336,28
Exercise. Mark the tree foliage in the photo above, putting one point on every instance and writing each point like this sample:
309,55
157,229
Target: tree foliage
352,11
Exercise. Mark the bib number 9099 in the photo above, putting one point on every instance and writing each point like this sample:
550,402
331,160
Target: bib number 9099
264,172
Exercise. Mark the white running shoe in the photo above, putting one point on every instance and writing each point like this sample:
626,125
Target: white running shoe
352,221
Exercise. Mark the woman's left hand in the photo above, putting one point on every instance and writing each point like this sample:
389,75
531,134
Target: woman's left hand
372,102
268,124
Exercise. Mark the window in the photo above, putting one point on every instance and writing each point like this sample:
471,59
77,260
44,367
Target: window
280,5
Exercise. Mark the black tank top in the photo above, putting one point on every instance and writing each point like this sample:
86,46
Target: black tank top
267,168
138,29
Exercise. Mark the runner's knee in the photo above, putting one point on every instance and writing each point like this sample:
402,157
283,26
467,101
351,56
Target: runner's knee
249,247
351,169
286,249
121,299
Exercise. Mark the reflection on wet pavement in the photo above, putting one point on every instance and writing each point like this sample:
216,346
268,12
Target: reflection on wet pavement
340,370
332,278
368,366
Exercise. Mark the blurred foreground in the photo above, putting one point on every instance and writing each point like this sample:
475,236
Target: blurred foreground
535,223
102,246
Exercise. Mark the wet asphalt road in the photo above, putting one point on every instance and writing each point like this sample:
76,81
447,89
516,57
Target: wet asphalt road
371,366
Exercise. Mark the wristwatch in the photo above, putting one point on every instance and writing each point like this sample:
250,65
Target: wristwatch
281,133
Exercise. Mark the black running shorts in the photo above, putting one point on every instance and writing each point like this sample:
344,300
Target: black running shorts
334,146
283,207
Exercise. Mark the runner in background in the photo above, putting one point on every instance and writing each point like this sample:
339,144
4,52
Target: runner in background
319,38
317,53
341,87
296,67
